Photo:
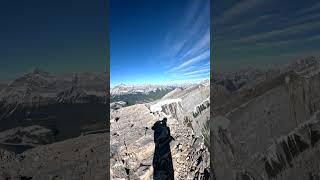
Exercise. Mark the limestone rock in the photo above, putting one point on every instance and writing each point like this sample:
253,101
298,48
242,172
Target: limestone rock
132,144
266,131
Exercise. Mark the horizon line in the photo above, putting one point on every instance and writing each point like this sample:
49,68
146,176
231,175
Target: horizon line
177,82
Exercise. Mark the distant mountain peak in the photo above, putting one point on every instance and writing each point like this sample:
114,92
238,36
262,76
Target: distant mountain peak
39,71
122,84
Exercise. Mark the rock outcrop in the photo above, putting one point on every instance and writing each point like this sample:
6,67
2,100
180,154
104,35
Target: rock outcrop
31,135
118,105
84,158
266,131
132,145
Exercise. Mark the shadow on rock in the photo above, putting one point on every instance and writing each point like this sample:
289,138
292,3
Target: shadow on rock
162,159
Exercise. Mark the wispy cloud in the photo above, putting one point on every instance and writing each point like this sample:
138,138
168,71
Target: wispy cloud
252,30
275,44
251,22
203,56
198,75
290,26
201,44
243,26
238,9
187,46
198,71
313,8
277,33
306,18
189,26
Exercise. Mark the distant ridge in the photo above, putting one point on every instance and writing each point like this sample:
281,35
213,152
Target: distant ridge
123,88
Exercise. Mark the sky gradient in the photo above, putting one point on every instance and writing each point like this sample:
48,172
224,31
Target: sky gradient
159,42
264,33
60,36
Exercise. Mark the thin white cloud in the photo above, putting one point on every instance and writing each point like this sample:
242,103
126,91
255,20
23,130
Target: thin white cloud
200,71
207,74
285,31
274,44
187,69
292,26
194,19
192,68
238,9
187,46
313,8
202,43
313,38
253,21
188,35
306,18
250,23
196,59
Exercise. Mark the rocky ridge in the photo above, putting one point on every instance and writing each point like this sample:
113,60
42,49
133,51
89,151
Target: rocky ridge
39,87
84,157
131,89
269,130
132,143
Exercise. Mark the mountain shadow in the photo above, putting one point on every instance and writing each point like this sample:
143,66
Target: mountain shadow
162,159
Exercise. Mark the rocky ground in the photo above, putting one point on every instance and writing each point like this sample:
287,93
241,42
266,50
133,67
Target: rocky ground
132,144
270,129
84,158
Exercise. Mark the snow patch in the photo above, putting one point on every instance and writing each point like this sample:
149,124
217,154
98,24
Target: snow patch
158,106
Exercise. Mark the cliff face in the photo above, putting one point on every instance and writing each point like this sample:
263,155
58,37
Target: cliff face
262,130
132,145
192,107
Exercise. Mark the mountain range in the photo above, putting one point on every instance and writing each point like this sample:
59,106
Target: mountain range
134,94
68,104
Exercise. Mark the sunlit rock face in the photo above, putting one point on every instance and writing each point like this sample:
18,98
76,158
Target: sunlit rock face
191,107
266,131
132,144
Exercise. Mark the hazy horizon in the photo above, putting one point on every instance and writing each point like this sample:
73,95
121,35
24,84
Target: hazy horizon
179,82
30,70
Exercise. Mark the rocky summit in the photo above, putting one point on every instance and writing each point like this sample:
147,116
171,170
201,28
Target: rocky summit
132,145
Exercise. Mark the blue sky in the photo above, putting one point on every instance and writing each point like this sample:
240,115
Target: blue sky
58,36
264,33
158,42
